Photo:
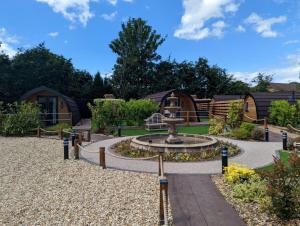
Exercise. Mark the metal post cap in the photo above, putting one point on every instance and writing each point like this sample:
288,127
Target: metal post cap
163,181
66,141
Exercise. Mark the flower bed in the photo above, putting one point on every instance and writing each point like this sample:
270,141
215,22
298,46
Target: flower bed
123,148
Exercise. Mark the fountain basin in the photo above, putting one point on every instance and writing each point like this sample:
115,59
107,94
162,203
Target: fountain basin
156,143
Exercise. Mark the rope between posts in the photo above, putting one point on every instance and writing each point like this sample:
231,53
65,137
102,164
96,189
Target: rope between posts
161,166
164,194
47,131
257,120
82,148
127,158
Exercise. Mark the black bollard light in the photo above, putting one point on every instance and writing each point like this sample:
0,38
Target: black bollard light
284,140
73,136
224,152
66,148
119,131
266,134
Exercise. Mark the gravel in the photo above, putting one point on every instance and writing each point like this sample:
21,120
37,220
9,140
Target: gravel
38,187
250,212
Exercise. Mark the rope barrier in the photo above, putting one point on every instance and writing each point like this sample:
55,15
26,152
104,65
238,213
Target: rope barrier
161,165
127,158
82,148
290,127
48,131
257,120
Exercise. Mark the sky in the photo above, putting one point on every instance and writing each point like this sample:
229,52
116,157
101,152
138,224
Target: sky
243,36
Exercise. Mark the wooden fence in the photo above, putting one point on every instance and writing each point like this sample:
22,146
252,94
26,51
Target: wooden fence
221,108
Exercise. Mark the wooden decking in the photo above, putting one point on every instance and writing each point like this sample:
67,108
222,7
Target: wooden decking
195,201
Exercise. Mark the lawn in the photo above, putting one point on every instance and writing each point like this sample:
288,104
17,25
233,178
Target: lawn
284,156
184,129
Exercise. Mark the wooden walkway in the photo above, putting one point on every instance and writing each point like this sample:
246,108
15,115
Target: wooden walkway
195,201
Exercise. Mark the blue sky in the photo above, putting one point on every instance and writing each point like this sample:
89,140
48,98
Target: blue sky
243,36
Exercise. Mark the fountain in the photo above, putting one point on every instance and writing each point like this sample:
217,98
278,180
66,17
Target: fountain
172,141
172,121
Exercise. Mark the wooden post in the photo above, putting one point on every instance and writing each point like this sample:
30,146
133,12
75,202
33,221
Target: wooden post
76,149
89,135
188,118
38,132
61,134
102,157
163,187
80,138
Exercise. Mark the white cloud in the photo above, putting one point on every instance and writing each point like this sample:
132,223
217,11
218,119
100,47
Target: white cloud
113,2
53,34
264,26
196,15
130,1
73,10
287,73
7,41
109,17
290,42
240,28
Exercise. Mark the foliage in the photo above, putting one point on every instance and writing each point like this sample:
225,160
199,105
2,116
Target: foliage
136,111
106,113
284,187
64,126
136,48
40,66
244,132
257,134
282,113
262,82
216,126
252,190
21,119
235,114
291,141
234,172
123,148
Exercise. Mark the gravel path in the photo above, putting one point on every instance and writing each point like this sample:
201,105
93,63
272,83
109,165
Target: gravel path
254,155
39,188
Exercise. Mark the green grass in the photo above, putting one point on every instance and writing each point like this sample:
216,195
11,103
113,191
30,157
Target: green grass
185,129
284,156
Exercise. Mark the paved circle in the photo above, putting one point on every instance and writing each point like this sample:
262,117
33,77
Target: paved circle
254,155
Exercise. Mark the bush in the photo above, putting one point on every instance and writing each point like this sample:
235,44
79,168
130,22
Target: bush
284,187
244,132
106,113
291,141
136,111
235,114
22,118
216,126
282,113
257,134
234,172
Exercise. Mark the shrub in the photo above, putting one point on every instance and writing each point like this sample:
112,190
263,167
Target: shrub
284,187
282,113
234,172
257,134
216,126
106,113
244,132
291,141
22,118
235,114
136,111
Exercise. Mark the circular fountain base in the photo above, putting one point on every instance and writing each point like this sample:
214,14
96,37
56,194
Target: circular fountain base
157,143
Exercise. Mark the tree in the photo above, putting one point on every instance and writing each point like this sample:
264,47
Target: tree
98,86
238,87
136,48
5,77
262,82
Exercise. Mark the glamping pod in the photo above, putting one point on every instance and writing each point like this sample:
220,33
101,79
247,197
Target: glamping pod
220,104
256,105
55,107
188,106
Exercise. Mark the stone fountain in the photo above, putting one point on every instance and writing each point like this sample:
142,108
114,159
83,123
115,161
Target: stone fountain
172,142
172,121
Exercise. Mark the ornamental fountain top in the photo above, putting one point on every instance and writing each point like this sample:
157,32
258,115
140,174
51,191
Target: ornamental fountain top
172,121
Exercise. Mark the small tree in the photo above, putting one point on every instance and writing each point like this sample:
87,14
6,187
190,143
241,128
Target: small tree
235,114
262,82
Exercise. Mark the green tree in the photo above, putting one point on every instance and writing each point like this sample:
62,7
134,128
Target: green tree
136,48
262,82
6,80
98,86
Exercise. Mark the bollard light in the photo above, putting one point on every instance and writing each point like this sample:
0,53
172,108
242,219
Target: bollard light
224,153
119,131
284,140
73,136
266,134
66,148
